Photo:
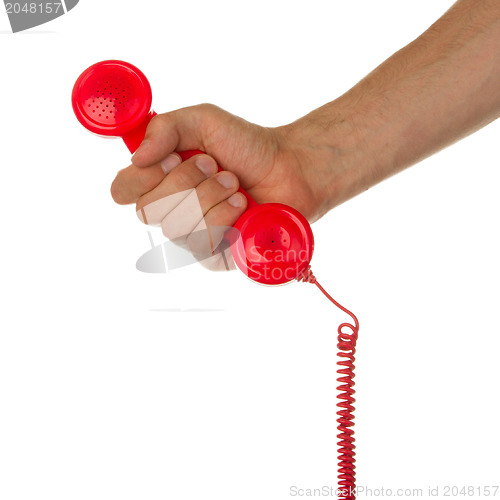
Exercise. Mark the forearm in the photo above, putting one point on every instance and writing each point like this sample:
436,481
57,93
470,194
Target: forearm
438,89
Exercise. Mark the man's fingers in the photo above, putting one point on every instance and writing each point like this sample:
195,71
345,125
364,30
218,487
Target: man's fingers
185,217
133,182
208,234
153,206
216,189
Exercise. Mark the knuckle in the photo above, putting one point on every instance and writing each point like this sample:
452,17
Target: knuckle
159,124
162,119
117,194
207,108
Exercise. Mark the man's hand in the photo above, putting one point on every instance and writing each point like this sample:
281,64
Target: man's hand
186,197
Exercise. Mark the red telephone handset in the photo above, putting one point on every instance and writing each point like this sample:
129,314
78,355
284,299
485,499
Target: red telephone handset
275,243
113,98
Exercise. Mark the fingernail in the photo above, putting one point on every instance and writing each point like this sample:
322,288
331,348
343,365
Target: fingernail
144,145
207,165
235,200
226,179
170,162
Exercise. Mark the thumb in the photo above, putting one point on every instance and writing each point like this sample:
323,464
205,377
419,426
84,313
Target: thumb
178,130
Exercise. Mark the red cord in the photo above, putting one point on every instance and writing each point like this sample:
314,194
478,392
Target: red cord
346,350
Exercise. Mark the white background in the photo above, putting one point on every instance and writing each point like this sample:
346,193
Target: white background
111,388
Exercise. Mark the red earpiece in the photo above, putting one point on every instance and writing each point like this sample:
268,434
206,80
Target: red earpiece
113,98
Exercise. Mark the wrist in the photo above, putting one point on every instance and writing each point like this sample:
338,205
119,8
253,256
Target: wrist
332,153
